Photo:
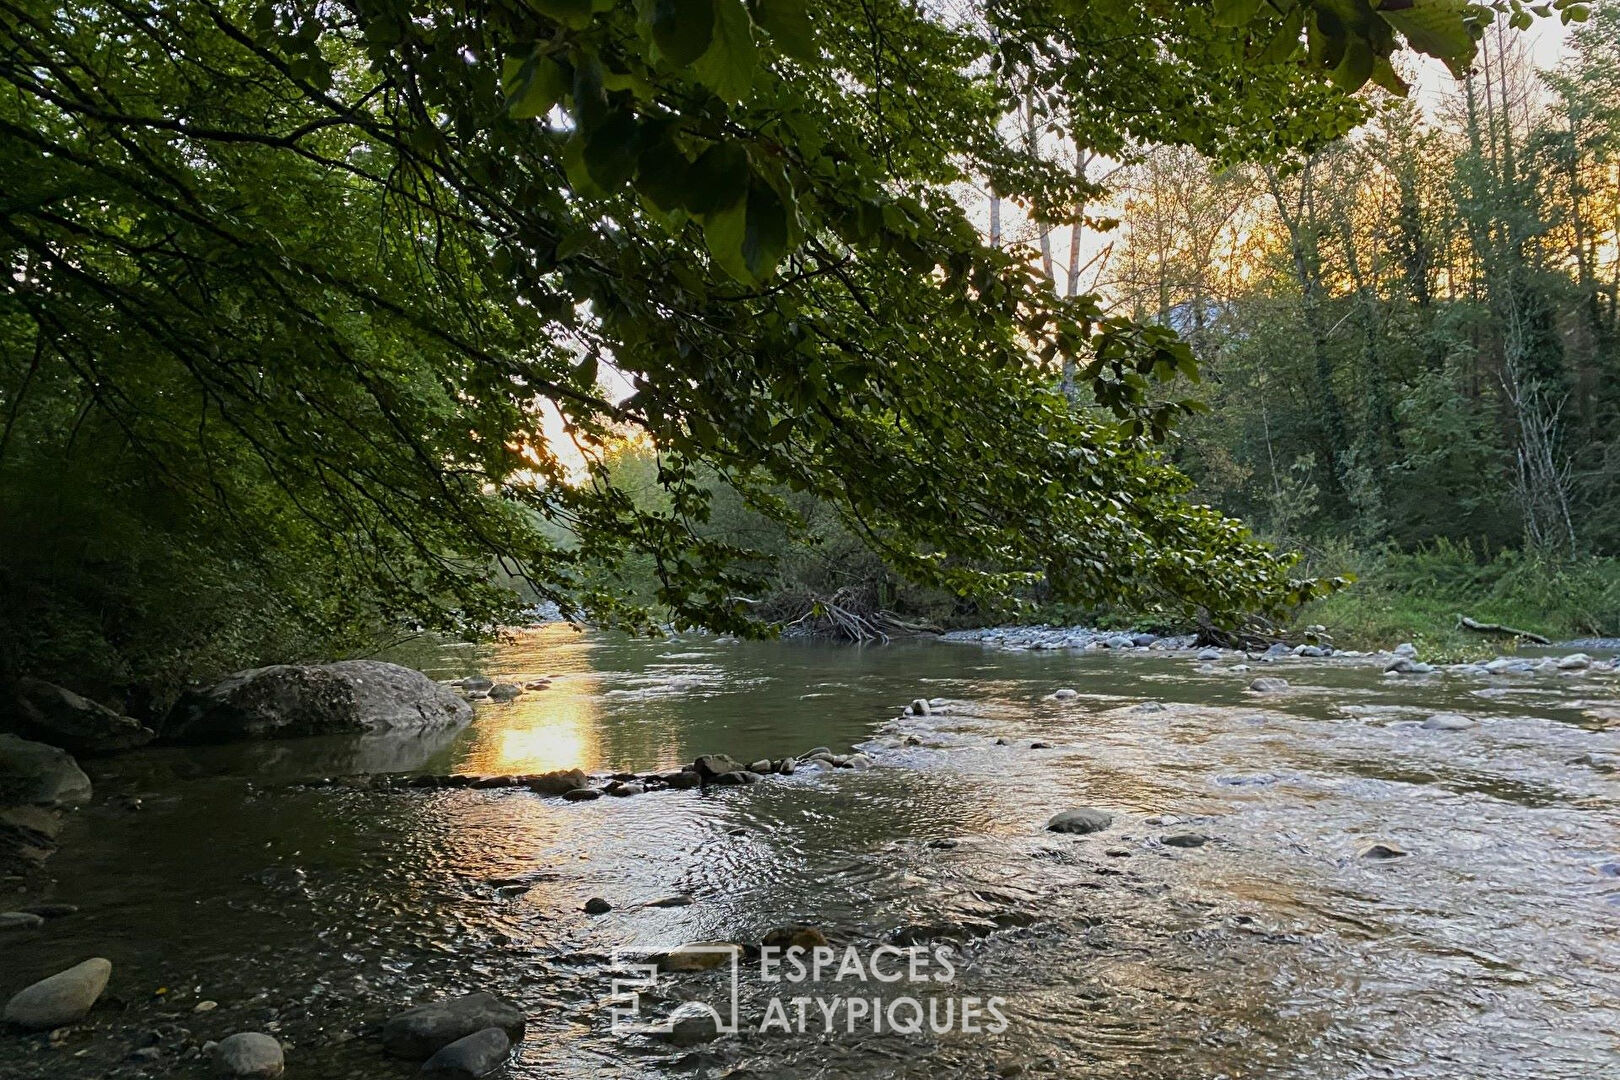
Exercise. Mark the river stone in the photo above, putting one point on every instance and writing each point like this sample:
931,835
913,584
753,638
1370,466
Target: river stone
1406,649
421,1032
1381,850
1403,665
558,781
857,761
698,956
762,766
582,794
251,1055
819,751
1447,722
505,691
918,707
61,999
1209,654
1142,641
597,906
625,790
1268,685
737,778
478,684
1083,819
287,700
473,1056
709,766
787,767
1574,662
35,774
20,920
794,937
683,780
1185,840
1311,651
50,714
1065,694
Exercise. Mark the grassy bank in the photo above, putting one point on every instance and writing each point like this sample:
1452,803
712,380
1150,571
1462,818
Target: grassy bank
1417,596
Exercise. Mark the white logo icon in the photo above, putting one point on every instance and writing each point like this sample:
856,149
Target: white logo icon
639,968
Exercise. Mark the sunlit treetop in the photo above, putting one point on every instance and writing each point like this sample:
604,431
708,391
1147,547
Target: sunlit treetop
323,259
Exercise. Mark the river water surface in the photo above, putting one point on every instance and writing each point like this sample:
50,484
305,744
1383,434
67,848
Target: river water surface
231,897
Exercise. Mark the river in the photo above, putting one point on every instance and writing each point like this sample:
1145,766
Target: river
231,897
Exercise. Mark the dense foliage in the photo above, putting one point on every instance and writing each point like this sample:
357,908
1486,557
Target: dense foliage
292,289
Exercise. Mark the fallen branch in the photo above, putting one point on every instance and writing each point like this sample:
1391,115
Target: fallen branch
1465,623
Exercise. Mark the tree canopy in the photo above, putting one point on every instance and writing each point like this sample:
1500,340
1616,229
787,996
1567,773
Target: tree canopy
293,287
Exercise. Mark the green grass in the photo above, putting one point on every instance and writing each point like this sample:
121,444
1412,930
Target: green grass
1417,595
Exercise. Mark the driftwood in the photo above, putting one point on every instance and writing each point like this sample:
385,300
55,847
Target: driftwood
1465,623
849,614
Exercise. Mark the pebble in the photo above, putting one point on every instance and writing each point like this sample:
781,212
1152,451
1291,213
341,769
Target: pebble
251,1055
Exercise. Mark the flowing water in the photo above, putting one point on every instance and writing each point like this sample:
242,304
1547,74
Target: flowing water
1273,950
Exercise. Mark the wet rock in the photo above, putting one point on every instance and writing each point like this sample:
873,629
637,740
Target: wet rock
1142,641
1574,662
692,1024
1268,685
624,790
737,778
582,794
699,956
476,1054
1118,853
1275,650
251,1055
1447,722
64,998
820,751
51,911
1311,651
794,937
710,766
1039,745
1120,641
421,1032
20,920
857,761
50,714
1185,840
787,767
505,691
597,906
1380,850
32,773
1065,694
537,684
1149,707
683,780
1406,649
762,767
1081,820
679,900
1403,665
1001,742
1209,654
287,700
918,707
478,684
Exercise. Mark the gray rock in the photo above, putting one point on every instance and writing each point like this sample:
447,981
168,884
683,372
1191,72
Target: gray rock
762,766
1381,851
1402,665
1447,722
419,1033
1309,650
683,780
582,794
1065,694
322,699
50,714
1121,641
558,781
709,766
820,751
505,691
1406,649
1142,641
478,684
1083,819
597,906
469,1057
20,920
679,900
692,1024
737,778
918,707
787,767
1268,685
1276,649
626,790
1185,840
251,1055
64,998
35,774
1209,654
1574,662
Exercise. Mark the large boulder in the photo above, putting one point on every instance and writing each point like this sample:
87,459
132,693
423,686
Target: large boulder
289,700
64,998
711,766
419,1033
50,714
32,773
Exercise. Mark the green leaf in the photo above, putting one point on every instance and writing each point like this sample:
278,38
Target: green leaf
749,238
574,13
610,149
1385,75
662,174
727,67
1236,12
682,29
532,86
1439,28
788,23
717,180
